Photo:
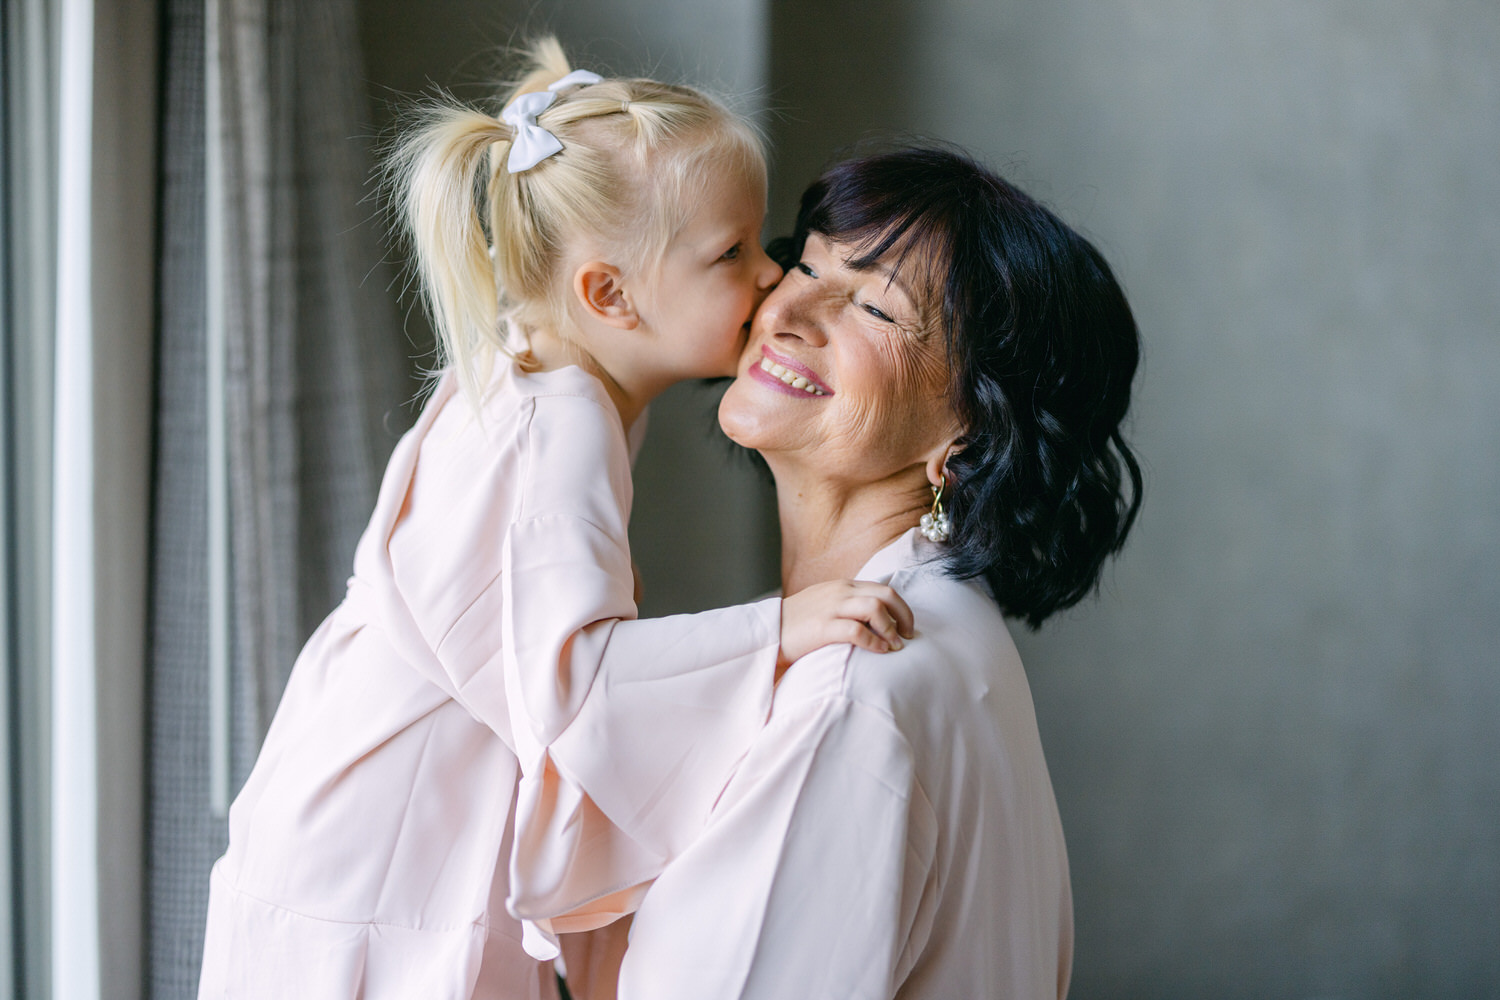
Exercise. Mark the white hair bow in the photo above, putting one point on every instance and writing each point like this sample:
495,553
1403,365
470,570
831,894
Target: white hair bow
531,143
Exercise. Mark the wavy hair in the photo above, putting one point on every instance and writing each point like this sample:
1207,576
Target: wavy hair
1042,349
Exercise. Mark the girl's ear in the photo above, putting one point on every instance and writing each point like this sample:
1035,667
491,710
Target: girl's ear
600,291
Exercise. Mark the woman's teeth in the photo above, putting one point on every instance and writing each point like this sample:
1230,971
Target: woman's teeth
790,377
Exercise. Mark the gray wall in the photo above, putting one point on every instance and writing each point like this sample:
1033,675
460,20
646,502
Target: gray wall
1274,737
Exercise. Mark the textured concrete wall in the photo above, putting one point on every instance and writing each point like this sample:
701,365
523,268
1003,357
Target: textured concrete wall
703,527
1275,737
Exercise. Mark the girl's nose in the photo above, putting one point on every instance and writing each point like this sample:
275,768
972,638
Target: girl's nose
768,272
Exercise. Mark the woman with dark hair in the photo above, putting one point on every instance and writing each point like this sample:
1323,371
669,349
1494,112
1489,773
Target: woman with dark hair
937,386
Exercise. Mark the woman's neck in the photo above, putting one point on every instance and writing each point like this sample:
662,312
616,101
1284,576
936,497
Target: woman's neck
829,531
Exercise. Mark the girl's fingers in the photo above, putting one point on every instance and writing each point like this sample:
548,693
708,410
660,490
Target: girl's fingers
895,606
856,634
871,616
876,617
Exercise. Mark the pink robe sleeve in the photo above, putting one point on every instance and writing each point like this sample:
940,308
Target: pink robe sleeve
627,730
813,879
497,567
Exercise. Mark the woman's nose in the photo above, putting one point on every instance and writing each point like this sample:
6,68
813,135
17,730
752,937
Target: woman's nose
791,311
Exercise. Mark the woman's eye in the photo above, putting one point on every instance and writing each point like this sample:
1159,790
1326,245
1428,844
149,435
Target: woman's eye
802,266
733,253
875,311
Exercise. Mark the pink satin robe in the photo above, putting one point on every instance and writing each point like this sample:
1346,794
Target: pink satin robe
479,723
891,833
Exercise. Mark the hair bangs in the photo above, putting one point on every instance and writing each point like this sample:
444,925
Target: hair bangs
890,216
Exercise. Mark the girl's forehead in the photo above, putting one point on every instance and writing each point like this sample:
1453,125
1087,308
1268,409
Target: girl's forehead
728,173
726,197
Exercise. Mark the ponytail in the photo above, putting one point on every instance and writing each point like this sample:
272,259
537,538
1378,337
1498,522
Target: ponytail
489,243
436,167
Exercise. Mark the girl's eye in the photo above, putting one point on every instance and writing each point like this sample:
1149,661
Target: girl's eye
733,253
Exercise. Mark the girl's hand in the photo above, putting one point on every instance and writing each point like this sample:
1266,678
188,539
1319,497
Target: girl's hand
869,615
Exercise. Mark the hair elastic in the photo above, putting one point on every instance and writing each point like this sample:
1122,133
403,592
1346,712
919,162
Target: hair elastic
531,144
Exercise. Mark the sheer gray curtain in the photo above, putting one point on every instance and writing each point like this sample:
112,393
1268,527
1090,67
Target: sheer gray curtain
266,161
28,253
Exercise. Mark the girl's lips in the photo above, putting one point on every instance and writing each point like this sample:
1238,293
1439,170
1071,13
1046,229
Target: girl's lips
789,374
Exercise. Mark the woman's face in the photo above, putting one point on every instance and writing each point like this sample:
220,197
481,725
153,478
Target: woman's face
844,370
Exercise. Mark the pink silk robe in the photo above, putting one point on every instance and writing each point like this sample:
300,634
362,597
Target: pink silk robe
891,833
479,727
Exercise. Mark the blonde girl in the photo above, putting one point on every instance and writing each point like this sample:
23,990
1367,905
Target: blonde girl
480,732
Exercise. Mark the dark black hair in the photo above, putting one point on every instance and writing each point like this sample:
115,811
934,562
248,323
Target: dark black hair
1042,347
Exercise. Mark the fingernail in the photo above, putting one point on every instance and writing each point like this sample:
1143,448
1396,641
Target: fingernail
897,643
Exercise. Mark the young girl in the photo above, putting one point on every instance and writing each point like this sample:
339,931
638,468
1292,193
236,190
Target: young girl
481,699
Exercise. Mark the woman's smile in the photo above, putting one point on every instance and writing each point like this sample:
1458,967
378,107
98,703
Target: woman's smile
787,375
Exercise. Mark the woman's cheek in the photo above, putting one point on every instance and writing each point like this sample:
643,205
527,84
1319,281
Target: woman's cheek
887,431
887,377
912,369
869,427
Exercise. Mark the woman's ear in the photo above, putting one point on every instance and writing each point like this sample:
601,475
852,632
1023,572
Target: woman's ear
600,291
937,463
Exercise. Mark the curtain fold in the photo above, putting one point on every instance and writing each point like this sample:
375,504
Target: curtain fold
183,836
314,360
277,221
28,133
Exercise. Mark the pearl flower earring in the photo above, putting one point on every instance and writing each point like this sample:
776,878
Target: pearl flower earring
935,524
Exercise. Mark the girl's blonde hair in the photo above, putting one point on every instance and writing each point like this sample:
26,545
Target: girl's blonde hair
489,244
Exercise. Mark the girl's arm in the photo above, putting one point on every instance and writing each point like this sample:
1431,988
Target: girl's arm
649,716
631,778
627,730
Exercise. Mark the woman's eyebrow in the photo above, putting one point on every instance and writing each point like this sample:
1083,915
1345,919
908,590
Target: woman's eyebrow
892,274
892,277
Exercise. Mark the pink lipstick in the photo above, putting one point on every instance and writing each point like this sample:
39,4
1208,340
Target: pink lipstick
787,375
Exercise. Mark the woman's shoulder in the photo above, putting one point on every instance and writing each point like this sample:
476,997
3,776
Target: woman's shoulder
960,699
944,680
963,649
